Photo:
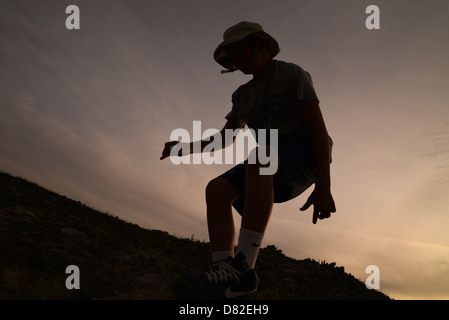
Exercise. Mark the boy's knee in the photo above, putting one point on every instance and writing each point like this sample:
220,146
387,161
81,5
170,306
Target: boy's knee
211,188
219,189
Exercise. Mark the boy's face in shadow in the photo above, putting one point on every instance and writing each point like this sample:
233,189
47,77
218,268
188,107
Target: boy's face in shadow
242,55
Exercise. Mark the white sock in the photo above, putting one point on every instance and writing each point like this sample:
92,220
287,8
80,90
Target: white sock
249,244
219,257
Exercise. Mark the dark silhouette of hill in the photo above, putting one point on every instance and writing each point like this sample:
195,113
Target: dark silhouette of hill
41,233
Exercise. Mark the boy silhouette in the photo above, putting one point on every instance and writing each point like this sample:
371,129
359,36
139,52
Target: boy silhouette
280,96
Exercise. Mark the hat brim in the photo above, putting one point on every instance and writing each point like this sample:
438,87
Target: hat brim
223,57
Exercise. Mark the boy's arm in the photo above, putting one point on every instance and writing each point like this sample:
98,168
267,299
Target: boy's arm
228,125
321,197
204,143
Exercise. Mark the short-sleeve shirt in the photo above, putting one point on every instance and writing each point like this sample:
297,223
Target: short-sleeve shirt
271,101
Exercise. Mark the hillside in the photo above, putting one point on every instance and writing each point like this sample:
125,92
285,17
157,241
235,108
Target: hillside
41,233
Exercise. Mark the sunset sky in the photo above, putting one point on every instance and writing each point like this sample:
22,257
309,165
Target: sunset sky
86,113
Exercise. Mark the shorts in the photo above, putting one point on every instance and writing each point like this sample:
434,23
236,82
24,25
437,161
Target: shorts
298,162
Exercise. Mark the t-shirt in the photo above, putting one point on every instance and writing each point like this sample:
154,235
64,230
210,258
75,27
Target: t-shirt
271,101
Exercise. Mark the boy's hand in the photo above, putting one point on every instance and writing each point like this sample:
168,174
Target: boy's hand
167,149
323,204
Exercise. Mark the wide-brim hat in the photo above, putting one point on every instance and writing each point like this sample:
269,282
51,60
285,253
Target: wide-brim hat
239,32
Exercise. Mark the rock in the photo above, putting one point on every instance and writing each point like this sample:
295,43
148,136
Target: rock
70,232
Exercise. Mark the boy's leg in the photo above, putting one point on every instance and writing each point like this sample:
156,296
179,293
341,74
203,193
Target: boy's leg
259,197
219,197
237,277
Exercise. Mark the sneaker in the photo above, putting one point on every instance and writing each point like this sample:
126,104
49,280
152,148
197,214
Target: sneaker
234,281
216,265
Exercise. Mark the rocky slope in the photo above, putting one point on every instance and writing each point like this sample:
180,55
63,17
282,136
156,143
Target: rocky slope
42,233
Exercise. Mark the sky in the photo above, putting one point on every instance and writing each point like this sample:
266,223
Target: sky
86,112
